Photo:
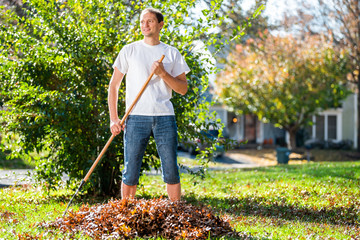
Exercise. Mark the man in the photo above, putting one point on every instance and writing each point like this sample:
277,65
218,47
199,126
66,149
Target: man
153,115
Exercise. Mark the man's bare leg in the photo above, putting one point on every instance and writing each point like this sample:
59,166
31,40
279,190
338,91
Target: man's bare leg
127,191
174,191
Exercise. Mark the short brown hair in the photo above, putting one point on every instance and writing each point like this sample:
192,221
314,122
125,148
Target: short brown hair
155,11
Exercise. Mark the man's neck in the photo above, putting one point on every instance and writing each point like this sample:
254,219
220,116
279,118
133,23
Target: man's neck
151,41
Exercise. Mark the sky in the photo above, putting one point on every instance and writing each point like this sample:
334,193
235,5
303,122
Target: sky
274,8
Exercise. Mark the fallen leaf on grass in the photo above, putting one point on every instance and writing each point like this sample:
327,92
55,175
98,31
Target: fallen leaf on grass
132,218
6,215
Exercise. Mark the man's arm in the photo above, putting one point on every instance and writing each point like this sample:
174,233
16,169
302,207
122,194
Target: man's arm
178,83
113,96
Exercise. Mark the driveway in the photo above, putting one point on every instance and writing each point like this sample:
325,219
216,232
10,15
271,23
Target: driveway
15,177
229,160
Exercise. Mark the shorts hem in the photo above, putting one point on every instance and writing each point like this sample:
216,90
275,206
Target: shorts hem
172,182
130,184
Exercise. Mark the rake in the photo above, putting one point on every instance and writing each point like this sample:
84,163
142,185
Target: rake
111,138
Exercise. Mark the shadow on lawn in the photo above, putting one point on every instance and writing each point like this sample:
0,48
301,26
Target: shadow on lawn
253,206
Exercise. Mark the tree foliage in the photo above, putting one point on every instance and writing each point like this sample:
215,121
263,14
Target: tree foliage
237,17
246,23
56,65
284,80
340,20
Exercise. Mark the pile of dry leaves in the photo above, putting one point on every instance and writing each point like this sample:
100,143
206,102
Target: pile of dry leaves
119,219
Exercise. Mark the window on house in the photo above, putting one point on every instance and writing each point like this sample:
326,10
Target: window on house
325,127
332,122
320,127
309,132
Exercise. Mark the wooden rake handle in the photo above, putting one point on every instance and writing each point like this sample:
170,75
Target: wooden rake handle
121,123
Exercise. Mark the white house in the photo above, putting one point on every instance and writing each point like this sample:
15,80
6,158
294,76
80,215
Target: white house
332,124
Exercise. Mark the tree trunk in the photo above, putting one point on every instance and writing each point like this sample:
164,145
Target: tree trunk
292,142
358,113
109,180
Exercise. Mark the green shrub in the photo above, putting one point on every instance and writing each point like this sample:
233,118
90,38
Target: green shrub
56,65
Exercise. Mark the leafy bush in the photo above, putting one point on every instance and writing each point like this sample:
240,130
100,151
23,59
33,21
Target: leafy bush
56,65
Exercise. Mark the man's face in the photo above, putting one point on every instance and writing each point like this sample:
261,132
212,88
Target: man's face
150,25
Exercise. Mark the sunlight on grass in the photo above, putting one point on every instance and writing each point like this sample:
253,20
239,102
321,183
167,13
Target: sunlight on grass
282,201
311,201
22,208
190,162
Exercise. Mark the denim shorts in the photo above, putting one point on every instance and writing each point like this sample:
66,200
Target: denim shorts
138,130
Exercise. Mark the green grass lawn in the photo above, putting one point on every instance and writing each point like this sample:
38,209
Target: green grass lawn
309,201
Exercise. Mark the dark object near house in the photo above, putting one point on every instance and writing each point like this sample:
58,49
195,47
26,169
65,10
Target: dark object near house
329,144
342,144
314,143
282,155
193,146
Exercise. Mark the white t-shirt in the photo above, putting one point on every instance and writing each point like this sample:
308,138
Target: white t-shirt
135,60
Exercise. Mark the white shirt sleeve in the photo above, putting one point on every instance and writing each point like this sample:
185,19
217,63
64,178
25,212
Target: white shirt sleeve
180,65
121,62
